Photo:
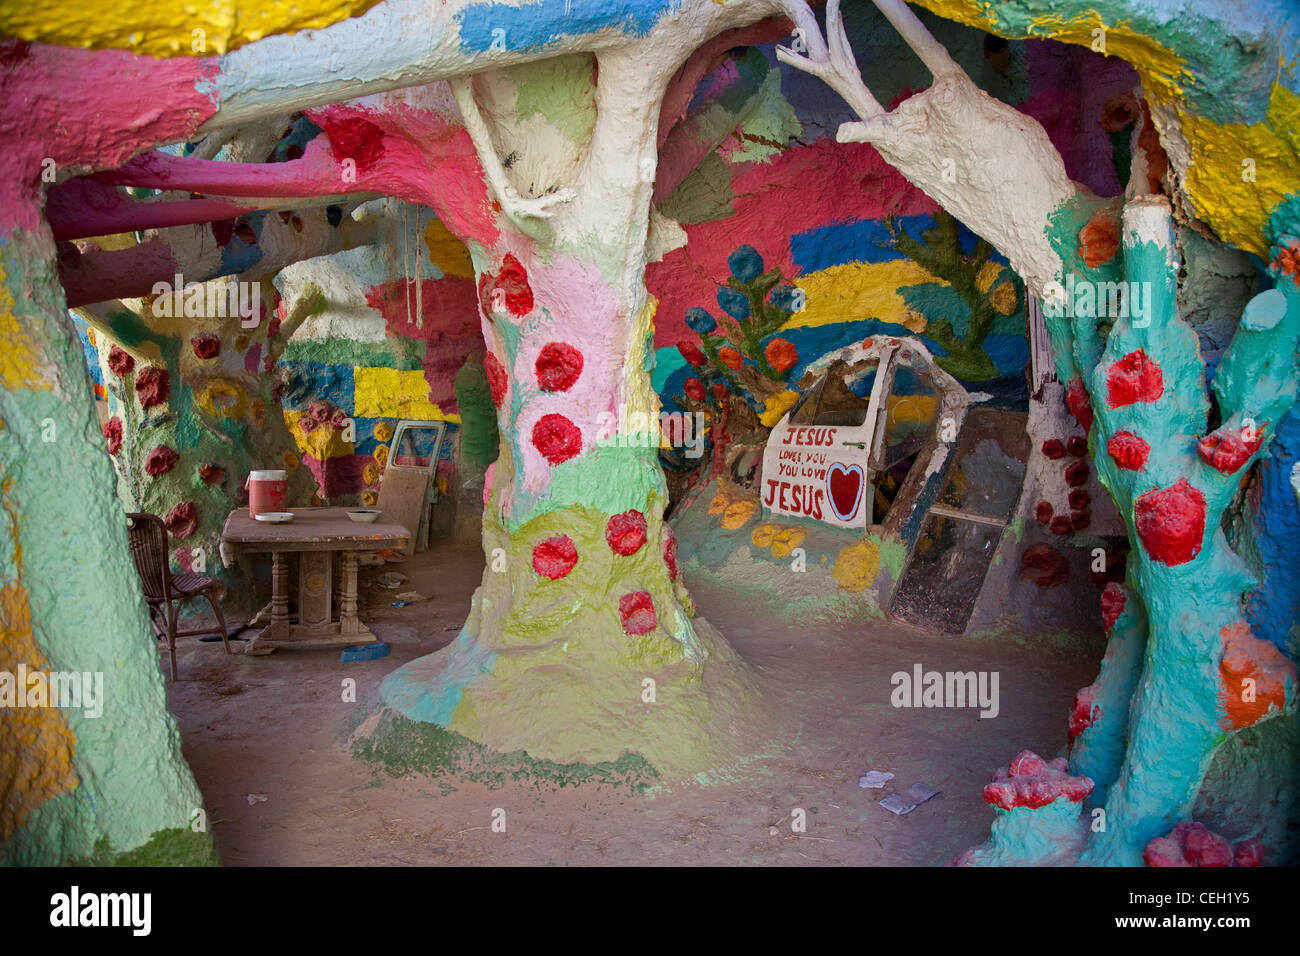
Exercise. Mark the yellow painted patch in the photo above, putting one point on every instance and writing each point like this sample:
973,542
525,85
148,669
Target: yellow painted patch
763,534
36,743
786,540
720,501
395,393
776,406
739,512
447,252
860,290
321,442
856,565
169,27
1237,209
19,362
222,398
911,409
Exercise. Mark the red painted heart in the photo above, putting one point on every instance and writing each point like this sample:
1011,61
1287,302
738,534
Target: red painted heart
844,487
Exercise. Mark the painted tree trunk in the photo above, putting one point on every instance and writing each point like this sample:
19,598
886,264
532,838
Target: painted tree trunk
1204,675
193,409
581,646
70,602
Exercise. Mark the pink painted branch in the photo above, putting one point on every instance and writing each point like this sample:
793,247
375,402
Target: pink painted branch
81,208
316,173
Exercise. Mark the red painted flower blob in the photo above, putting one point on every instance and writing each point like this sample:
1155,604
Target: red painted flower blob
1033,782
1134,378
152,386
555,557
691,352
1113,600
508,288
625,533
1128,450
670,553
183,520
1225,450
1171,522
113,434
160,460
694,389
206,345
557,438
637,612
498,381
1077,401
781,355
120,363
558,367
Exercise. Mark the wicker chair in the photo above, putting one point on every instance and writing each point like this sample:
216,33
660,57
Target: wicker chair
162,588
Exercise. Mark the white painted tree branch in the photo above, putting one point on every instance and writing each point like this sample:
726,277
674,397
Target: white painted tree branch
512,204
933,54
831,60
991,166
401,43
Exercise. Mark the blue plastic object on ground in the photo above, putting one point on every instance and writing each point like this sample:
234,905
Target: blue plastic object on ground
364,652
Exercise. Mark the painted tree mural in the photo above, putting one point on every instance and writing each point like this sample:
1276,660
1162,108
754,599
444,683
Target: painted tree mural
450,105
1171,460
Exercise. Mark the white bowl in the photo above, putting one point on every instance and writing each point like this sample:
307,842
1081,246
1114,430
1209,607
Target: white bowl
274,517
364,517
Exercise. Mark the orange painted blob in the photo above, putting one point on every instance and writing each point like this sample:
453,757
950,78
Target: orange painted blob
1247,659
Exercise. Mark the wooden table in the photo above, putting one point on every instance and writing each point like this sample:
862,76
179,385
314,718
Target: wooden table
315,533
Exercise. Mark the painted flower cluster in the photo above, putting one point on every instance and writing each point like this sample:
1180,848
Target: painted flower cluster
754,304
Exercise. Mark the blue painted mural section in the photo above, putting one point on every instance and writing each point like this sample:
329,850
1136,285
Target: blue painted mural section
307,382
1009,353
864,240
533,26
1274,610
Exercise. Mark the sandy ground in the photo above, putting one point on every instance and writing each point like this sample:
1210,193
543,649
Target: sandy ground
271,726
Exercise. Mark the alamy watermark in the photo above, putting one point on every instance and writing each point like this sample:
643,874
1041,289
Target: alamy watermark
1106,300
946,689
75,908
638,430
66,689
216,298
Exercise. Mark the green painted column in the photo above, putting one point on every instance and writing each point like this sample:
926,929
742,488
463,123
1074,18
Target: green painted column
104,781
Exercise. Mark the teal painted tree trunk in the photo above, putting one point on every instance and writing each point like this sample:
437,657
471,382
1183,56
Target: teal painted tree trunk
70,602
1173,463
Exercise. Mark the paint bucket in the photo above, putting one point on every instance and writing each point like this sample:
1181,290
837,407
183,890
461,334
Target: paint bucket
267,491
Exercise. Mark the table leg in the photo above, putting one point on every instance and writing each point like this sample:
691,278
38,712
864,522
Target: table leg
279,588
349,623
278,629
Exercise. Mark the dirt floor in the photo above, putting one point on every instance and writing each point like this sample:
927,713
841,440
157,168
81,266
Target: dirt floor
270,726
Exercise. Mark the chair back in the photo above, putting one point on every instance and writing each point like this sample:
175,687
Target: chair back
148,538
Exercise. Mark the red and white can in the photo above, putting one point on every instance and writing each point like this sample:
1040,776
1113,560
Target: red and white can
268,491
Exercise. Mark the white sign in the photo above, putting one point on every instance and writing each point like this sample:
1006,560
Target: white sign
818,472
